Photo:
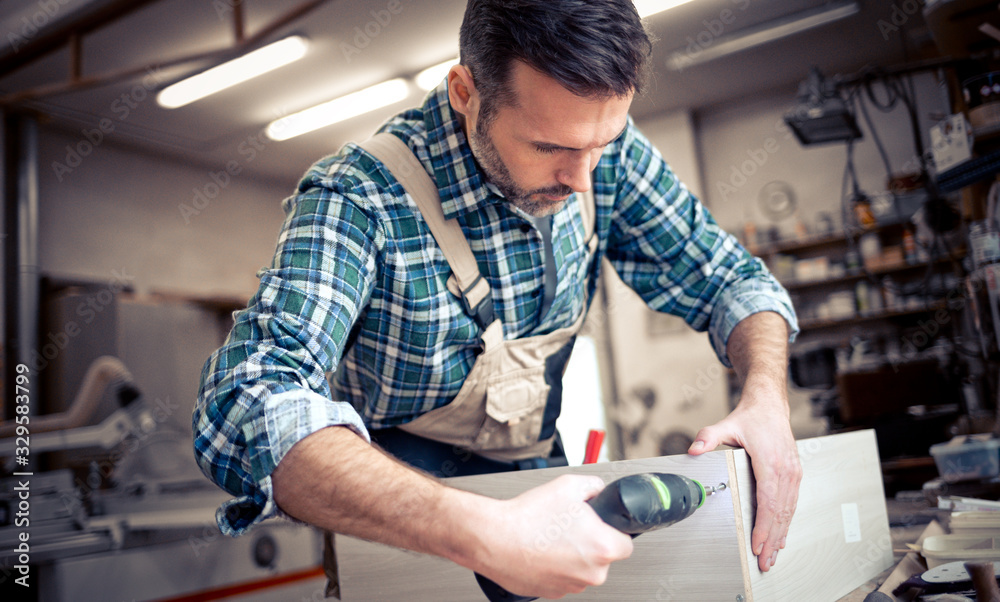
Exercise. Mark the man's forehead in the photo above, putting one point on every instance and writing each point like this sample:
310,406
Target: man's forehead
547,112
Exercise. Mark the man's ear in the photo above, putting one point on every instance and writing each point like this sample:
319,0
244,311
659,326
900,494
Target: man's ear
462,92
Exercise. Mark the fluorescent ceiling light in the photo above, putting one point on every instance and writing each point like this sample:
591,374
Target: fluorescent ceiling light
698,52
651,7
430,77
339,109
233,72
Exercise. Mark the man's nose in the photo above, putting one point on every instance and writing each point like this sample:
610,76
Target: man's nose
575,173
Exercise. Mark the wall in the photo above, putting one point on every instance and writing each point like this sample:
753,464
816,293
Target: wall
160,224
153,222
657,358
746,145
120,217
726,155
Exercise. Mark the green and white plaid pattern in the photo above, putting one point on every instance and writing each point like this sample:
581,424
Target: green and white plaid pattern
355,260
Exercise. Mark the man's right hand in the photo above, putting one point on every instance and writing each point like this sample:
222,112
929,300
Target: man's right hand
545,542
548,541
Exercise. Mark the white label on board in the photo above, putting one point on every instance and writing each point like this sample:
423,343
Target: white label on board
852,522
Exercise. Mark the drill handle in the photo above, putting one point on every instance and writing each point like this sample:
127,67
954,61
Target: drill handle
606,507
495,593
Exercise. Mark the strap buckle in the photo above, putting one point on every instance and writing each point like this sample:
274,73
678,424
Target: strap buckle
481,313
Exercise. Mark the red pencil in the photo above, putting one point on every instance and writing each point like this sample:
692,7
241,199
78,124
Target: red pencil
594,441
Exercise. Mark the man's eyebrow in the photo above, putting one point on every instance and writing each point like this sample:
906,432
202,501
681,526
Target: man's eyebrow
550,146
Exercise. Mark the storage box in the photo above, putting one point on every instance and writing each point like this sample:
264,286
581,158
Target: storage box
967,457
808,270
942,549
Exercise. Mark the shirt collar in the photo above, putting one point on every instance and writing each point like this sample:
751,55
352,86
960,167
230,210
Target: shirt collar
460,183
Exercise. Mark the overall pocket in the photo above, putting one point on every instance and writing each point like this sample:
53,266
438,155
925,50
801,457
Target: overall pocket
515,407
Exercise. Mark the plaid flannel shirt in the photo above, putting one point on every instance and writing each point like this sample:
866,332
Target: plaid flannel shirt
356,262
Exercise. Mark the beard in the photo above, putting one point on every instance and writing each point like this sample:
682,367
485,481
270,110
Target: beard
531,202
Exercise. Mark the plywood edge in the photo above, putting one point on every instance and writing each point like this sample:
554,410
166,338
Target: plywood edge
741,534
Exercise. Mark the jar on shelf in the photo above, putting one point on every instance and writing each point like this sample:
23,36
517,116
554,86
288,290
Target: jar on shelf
889,295
910,252
862,299
863,212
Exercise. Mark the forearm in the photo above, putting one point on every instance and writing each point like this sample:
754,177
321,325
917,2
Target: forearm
337,481
758,350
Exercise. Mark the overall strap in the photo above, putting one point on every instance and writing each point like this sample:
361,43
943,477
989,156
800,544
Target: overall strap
410,173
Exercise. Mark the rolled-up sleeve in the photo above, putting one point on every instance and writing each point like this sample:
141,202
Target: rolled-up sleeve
266,388
666,246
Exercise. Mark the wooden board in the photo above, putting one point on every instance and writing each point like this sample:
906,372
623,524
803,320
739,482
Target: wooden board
705,557
839,537
666,565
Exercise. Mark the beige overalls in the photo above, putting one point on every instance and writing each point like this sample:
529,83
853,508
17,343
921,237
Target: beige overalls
498,412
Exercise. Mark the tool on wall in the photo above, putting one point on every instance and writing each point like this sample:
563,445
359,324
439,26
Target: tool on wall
634,505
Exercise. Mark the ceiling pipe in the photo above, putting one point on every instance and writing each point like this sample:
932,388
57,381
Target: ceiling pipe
215,57
57,37
238,21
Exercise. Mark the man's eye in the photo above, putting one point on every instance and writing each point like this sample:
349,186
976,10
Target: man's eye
546,150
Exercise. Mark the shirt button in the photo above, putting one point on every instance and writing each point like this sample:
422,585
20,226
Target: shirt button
535,293
525,228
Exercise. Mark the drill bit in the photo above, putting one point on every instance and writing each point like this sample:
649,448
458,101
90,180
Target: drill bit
715,489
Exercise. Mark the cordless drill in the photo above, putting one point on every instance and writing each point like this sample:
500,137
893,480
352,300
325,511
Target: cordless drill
634,505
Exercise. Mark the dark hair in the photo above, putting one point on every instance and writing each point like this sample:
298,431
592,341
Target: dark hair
593,48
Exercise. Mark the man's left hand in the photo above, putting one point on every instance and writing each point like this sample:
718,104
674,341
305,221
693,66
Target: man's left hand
760,426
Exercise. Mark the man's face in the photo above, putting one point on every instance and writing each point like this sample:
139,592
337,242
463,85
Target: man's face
542,148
